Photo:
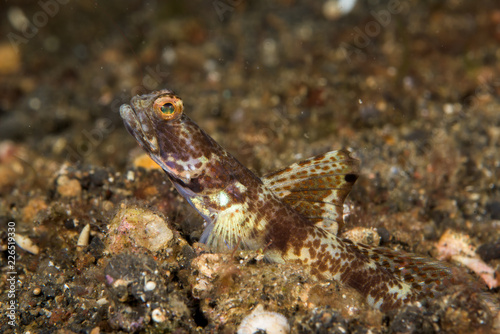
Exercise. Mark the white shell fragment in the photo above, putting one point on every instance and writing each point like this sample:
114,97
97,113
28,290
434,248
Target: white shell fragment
158,315
26,244
83,239
150,286
261,320
102,301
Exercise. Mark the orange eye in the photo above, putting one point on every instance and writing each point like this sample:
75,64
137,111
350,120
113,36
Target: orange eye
168,107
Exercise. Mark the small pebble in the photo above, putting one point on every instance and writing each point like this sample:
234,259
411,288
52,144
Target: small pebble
95,330
364,235
67,187
137,227
270,52
11,59
490,251
493,209
385,235
334,9
458,247
145,162
130,175
37,291
34,206
150,286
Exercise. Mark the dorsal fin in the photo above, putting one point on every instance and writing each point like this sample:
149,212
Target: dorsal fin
317,187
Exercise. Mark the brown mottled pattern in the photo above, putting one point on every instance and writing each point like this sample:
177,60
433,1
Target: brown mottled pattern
283,213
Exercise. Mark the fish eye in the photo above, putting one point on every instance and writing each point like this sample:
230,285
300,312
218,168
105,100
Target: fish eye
168,107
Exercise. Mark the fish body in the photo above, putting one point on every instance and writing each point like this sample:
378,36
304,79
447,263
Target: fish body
294,214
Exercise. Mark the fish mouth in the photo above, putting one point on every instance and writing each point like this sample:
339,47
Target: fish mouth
139,125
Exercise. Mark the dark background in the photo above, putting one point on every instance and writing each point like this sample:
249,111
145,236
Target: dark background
413,92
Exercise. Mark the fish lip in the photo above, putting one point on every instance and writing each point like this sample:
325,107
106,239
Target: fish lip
139,125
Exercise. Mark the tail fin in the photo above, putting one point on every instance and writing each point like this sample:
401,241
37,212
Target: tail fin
390,279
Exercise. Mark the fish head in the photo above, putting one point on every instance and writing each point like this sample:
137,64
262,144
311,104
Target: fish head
158,122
